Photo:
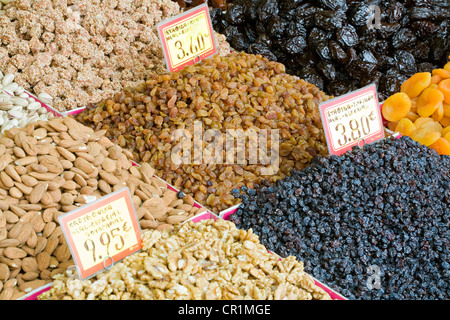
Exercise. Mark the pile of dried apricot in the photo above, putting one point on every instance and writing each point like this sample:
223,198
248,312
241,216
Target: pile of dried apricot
421,110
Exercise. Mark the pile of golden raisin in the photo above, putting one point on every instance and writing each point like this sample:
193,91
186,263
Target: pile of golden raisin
421,110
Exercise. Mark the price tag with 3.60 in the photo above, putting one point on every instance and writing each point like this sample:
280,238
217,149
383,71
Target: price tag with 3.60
187,38
102,232
352,119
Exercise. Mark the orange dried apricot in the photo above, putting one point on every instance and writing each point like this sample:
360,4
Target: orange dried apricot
425,136
446,109
447,136
445,131
447,66
442,73
414,104
442,146
444,87
421,121
412,116
436,79
429,100
438,114
434,126
396,107
445,121
405,127
414,86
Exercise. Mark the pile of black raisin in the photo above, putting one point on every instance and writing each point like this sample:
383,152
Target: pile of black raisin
384,206
330,43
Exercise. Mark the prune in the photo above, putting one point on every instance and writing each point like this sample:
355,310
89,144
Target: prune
295,45
405,62
333,5
360,69
327,70
399,43
347,36
329,20
403,39
235,14
240,42
310,75
259,48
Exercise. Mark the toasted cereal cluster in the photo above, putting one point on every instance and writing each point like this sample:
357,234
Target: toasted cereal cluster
206,260
80,51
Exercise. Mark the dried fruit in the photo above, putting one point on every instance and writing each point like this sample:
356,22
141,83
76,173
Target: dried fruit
429,101
442,146
414,86
396,107
425,136
405,127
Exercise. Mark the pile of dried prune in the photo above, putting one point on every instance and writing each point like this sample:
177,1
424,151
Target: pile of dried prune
372,223
338,45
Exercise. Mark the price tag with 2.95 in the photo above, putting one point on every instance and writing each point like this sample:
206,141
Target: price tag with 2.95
187,38
102,232
352,120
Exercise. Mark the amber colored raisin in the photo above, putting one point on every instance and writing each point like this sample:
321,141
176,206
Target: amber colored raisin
429,100
442,146
414,86
405,127
396,107
425,136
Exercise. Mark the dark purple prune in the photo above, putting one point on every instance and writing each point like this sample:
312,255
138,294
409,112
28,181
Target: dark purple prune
275,27
337,53
360,69
405,62
235,14
387,30
231,31
262,49
316,36
421,13
310,75
441,49
296,28
393,12
374,79
306,13
240,42
333,4
385,62
329,20
288,5
295,45
421,50
327,70
323,50
340,87
267,9
368,56
403,39
347,36
307,59
424,28
426,67
251,34
360,14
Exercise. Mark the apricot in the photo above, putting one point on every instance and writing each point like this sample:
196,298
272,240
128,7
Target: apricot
445,121
436,79
445,131
434,126
429,100
447,136
414,86
405,127
442,73
425,136
396,107
444,87
446,109
447,66
442,146
412,116
421,121
438,114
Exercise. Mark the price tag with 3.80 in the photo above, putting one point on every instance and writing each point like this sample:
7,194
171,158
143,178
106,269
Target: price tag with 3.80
352,119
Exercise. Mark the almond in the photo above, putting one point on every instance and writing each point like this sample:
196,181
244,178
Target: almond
14,253
43,260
